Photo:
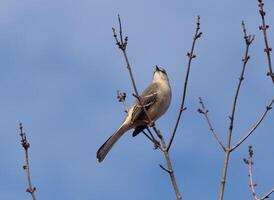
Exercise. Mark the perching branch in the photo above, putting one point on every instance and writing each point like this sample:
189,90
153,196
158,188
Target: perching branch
267,49
122,44
254,127
252,185
31,190
248,40
204,111
190,56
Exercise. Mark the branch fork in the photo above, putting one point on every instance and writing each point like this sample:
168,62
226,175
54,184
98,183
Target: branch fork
228,148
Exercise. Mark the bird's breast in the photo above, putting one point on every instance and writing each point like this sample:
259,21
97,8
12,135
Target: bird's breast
162,103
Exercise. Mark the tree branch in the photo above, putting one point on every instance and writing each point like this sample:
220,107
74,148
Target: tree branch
122,44
204,111
31,190
266,196
252,185
254,127
170,169
267,49
165,169
190,55
248,40
249,162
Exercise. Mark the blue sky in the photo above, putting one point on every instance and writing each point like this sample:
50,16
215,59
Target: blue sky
59,72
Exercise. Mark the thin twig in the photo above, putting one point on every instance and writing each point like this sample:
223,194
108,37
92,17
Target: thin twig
248,40
254,127
165,169
31,190
252,185
249,162
204,111
190,55
122,44
121,96
267,49
266,196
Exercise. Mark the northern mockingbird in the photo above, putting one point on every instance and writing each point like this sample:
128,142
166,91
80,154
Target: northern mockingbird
156,99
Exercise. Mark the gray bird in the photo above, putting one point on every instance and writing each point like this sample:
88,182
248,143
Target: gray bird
156,99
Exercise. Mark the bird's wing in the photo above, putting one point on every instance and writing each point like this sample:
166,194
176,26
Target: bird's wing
148,97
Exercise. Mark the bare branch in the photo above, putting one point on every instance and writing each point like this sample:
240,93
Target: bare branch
252,185
190,55
204,111
267,49
122,44
165,169
248,41
249,162
31,190
171,172
254,127
268,194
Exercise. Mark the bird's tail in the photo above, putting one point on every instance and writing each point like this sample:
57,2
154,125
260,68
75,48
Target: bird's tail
105,148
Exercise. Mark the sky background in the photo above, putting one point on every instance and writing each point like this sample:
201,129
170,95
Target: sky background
59,73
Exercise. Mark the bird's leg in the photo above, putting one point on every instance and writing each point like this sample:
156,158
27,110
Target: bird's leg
151,123
156,142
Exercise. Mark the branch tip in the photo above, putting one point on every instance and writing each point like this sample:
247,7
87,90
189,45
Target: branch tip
263,27
26,145
190,56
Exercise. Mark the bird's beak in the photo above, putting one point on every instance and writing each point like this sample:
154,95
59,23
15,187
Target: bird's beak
157,68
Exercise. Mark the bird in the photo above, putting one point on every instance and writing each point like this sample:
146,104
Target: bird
155,98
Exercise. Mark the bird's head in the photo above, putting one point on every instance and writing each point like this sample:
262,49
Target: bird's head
160,74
